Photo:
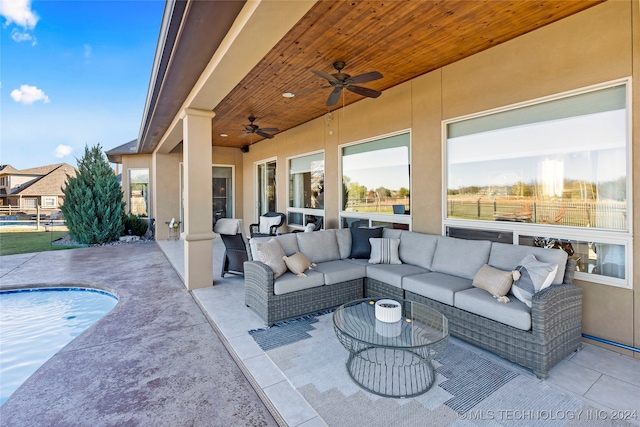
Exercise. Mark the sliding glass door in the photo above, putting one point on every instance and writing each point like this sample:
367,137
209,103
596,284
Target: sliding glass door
266,187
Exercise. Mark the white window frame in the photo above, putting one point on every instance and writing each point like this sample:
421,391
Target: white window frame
233,184
371,217
148,199
49,198
256,189
29,199
304,211
618,237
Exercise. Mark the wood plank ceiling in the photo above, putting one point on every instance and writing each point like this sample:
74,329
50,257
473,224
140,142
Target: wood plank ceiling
400,39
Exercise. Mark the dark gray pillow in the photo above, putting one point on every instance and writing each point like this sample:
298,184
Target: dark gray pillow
360,246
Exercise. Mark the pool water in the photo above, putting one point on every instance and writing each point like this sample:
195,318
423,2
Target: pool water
36,323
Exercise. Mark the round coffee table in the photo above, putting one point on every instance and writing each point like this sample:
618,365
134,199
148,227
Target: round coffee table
391,359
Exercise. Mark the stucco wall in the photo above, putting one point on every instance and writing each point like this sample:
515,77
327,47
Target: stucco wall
592,47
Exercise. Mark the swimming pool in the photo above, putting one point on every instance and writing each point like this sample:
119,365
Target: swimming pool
38,322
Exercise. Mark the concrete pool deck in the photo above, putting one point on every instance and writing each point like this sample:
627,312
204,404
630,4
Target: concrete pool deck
153,360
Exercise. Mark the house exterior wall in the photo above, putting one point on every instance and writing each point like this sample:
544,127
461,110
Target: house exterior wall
591,47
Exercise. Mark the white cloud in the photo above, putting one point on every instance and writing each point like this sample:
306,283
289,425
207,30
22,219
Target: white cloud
22,36
62,151
87,51
19,12
29,94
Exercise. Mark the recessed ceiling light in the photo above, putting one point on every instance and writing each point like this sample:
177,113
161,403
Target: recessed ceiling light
224,135
288,95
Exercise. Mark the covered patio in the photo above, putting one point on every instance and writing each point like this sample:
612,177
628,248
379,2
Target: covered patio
219,64
167,356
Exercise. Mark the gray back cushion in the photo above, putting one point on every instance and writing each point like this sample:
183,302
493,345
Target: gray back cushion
391,233
459,257
343,236
319,246
288,242
417,248
507,257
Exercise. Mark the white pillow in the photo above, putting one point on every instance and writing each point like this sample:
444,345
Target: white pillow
266,222
534,277
271,253
384,251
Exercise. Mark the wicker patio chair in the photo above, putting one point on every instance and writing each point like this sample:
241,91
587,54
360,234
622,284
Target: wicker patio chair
235,245
270,224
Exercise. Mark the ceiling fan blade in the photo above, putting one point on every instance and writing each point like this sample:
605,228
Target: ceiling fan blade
364,91
248,128
334,97
244,135
325,75
269,129
364,78
263,134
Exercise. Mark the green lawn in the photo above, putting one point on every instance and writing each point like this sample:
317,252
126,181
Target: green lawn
23,242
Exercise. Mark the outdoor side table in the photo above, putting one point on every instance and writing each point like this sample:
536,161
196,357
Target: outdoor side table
391,360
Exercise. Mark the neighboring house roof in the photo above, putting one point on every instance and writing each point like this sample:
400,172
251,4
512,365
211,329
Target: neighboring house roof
7,169
52,179
115,154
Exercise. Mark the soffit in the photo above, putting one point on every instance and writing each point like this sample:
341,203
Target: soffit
400,39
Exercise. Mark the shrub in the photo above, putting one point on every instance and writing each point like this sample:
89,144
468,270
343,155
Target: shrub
93,204
134,225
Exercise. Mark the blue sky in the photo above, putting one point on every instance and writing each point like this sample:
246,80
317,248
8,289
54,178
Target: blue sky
72,73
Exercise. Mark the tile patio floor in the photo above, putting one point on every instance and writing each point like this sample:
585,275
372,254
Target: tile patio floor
602,378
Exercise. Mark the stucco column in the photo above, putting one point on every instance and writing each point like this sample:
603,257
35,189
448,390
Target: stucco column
198,217
165,191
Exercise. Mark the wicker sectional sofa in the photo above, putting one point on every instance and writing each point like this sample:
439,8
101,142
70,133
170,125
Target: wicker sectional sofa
436,271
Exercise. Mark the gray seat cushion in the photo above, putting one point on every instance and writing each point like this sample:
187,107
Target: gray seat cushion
359,261
437,286
392,274
482,303
319,246
289,282
417,248
340,271
507,257
458,257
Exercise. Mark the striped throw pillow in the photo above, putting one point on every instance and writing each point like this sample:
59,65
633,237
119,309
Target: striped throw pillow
384,251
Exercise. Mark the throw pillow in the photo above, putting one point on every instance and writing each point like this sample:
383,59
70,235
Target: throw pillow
298,263
384,251
266,222
360,246
271,253
496,282
534,277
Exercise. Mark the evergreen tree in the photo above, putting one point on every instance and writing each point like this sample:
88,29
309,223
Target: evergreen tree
93,205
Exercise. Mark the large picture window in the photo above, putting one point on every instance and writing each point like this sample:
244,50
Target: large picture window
376,182
557,169
306,190
139,192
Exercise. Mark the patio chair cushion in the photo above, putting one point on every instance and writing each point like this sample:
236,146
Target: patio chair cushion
271,254
360,246
458,257
289,282
298,263
384,251
266,222
436,286
479,302
496,282
534,277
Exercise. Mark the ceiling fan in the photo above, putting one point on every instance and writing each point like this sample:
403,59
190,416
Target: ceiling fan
342,80
255,129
